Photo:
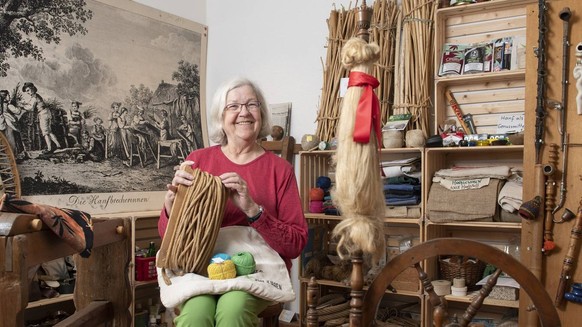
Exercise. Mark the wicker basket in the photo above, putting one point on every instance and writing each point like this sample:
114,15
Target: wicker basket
461,267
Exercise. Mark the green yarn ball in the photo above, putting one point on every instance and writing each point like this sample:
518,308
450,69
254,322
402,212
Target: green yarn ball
244,263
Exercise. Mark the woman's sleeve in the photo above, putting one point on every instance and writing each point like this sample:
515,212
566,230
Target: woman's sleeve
163,222
287,232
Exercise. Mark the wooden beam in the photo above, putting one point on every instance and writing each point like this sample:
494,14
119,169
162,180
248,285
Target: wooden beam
95,314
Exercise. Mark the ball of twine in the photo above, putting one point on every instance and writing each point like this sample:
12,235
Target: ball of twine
392,139
316,194
309,142
415,138
323,182
316,206
244,263
222,270
313,268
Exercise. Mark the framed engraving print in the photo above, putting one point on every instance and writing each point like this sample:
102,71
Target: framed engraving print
100,100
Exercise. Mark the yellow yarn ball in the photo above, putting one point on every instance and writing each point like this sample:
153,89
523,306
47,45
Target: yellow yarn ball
222,270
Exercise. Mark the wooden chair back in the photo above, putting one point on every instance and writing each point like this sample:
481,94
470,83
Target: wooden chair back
286,148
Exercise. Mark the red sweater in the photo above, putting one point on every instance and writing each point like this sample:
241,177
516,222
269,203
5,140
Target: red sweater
271,183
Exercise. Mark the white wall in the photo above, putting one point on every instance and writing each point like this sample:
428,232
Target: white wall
278,44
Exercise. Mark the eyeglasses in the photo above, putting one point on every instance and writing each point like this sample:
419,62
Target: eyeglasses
237,107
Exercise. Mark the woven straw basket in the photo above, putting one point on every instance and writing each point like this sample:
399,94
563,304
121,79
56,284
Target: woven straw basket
461,267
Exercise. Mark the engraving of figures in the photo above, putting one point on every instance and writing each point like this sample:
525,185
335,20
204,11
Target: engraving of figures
78,106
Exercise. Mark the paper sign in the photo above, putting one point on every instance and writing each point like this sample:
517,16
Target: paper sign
510,123
286,316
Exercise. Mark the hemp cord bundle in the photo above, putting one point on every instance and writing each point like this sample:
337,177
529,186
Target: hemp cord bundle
414,63
193,226
341,26
358,187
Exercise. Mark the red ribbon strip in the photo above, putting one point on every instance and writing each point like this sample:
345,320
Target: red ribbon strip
368,112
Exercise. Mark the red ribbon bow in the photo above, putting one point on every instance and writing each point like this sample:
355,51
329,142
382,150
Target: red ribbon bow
368,112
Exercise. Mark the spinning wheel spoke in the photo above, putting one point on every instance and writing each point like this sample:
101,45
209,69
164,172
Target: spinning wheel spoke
9,177
434,299
478,301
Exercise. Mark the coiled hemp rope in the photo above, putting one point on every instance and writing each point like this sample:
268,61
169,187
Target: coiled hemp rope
193,226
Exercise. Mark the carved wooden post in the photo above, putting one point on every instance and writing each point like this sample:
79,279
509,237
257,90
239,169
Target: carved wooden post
104,276
357,293
13,280
312,299
478,301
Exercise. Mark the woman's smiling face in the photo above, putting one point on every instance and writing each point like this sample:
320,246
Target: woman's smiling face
241,117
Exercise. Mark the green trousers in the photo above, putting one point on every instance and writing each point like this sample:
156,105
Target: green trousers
232,309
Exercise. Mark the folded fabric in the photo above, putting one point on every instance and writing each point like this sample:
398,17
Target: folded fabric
500,172
403,200
73,226
401,189
444,205
510,196
402,211
270,281
402,180
395,171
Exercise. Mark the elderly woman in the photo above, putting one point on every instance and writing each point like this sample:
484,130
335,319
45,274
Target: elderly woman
263,195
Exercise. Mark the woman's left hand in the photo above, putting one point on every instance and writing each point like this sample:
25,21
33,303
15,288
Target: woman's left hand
239,193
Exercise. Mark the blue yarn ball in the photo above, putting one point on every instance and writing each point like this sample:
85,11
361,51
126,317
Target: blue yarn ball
323,182
219,257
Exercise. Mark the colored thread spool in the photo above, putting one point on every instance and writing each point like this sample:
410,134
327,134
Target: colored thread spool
316,194
459,282
244,263
222,270
459,291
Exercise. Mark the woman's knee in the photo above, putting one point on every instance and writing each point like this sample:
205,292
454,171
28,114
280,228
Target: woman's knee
238,308
198,311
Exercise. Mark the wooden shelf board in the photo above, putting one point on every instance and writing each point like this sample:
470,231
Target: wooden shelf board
140,283
478,7
320,216
342,285
43,302
469,149
488,301
518,74
478,224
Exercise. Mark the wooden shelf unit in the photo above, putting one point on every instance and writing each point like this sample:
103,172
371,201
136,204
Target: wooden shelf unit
319,163
485,95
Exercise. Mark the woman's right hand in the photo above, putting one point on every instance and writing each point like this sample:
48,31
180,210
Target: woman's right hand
181,177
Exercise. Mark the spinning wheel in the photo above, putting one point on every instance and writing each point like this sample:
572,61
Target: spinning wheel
364,307
9,177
